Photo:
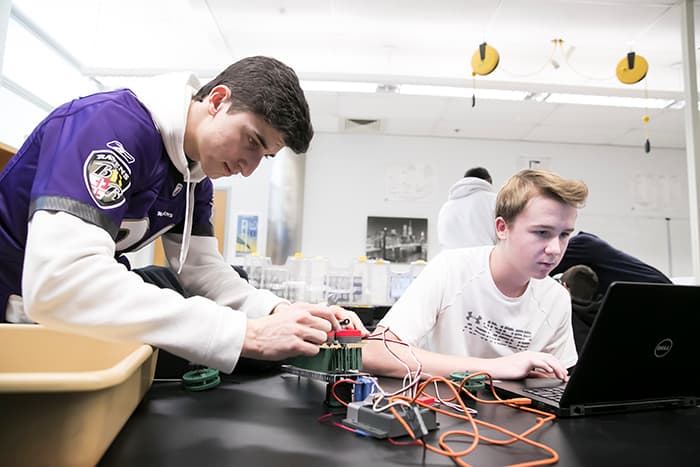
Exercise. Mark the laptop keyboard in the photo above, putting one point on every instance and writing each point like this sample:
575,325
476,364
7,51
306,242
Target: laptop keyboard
553,393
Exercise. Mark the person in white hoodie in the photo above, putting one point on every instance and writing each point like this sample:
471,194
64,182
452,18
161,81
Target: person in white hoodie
109,173
468,217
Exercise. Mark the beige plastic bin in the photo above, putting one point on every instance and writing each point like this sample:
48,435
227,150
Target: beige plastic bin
64,397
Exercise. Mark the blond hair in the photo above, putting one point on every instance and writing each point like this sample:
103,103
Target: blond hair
528,183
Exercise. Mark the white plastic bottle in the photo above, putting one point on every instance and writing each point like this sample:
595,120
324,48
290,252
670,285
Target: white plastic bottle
254,267
379,277
296,285
317,268
339,286
361,294
275,279
416,267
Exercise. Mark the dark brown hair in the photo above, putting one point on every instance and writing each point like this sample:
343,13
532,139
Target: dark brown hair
271,90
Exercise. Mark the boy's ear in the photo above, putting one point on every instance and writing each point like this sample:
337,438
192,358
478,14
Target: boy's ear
501,228
218,96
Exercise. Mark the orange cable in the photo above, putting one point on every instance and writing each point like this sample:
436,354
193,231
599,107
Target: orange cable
446,450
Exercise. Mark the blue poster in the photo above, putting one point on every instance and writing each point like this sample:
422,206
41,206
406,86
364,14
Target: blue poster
246,235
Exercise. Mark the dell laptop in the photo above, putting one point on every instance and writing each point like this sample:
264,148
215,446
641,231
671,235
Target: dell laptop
641,353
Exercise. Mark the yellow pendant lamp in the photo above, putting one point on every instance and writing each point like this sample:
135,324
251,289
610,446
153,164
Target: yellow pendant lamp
631,70
484,61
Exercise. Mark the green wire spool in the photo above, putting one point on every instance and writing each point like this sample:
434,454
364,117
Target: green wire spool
473,384
201,379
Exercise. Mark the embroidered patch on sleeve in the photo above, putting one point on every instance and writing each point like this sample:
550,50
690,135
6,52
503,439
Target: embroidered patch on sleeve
107,177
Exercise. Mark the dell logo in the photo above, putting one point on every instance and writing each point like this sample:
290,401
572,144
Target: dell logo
663,348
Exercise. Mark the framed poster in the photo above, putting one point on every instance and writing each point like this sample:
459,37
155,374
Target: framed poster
246,235
397,239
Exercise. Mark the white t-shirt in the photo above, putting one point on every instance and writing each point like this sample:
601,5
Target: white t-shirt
454,307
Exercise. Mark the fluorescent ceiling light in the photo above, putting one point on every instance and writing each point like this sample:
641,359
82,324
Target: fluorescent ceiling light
500,94
453,91
338,86
613,101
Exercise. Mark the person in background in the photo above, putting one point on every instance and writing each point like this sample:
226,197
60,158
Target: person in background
492,308
109,173
582,284
609,263
467,218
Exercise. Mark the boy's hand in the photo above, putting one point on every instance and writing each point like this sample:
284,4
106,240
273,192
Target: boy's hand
527,364
284,334
339,318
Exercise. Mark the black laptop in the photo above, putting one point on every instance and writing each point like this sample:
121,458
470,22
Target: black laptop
641,353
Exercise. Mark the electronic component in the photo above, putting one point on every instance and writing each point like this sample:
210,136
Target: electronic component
362,417
343,391
345,336
339,358
473,385
342,352
328,377
363,387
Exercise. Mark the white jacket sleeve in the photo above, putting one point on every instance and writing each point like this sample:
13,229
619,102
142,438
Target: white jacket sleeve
72,282
206,273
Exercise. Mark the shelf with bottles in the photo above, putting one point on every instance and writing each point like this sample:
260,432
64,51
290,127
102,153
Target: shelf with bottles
362,283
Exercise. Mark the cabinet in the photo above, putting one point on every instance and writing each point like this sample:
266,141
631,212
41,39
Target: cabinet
6,152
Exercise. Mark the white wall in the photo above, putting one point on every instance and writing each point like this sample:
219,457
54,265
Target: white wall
350,177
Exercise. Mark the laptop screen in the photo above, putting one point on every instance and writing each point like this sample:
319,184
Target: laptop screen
641,346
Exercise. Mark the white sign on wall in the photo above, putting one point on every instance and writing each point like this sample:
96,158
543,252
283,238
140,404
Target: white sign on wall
408,182
656,192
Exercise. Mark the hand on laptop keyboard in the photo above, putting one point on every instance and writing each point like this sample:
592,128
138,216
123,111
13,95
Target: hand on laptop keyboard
527,364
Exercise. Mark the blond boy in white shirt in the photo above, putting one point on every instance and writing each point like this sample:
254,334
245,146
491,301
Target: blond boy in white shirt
493,308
